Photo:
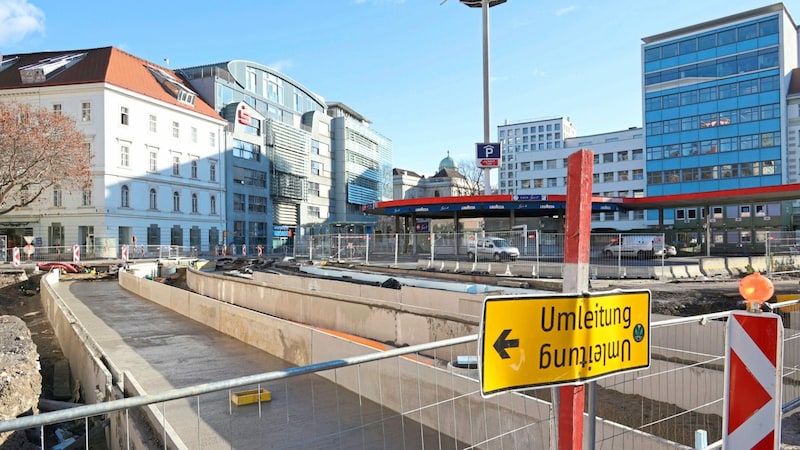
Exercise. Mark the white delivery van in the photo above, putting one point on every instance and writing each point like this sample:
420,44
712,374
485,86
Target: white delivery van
495,248
637,246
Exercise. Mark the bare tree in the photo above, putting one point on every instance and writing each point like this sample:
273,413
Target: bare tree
474,175
38,150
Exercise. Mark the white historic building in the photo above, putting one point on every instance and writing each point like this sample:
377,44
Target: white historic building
157,169
534,162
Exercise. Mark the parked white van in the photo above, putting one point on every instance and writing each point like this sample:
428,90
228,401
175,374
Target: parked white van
495,248
639,246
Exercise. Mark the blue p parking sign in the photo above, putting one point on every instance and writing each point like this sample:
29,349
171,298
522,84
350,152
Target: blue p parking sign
488,151
488,154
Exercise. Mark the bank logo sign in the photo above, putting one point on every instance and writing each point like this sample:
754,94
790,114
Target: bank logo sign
535,341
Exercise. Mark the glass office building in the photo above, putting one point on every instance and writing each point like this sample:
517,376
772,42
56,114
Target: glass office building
714,117
714,110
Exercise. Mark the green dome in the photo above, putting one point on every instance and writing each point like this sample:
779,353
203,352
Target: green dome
448,163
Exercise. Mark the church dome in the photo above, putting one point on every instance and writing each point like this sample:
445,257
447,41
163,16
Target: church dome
448,163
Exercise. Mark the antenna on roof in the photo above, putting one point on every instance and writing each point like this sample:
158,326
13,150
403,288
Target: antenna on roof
166,62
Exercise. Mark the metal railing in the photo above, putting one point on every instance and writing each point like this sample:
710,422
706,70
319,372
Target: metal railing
658,407
612,255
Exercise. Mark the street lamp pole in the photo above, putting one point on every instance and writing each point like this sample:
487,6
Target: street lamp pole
486,131
485,5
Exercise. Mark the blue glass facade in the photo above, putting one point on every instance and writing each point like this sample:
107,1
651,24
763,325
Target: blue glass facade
713,107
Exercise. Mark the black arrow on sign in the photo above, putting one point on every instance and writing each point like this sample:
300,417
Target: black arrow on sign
501,344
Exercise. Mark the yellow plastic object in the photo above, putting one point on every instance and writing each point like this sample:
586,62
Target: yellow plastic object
252,396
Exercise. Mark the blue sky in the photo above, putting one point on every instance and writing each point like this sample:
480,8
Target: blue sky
412,67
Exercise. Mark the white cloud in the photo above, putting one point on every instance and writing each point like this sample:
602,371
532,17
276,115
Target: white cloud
18,18
566,10
281,65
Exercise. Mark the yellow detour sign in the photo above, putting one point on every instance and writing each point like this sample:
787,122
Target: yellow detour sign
529,341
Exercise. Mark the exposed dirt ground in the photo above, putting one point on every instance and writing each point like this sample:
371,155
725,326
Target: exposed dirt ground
680,299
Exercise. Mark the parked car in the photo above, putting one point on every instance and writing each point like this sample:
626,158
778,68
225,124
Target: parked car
667,251
491,247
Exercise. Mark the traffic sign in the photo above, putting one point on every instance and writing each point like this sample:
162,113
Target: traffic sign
488,150
488,154
753,363
529,341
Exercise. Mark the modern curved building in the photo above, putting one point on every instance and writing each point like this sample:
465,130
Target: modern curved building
278,153
295,163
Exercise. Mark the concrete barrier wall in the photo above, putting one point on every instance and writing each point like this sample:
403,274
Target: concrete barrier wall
418,377
82,352
737,265
713,267
414,377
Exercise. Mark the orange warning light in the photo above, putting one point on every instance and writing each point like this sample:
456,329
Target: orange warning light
756,289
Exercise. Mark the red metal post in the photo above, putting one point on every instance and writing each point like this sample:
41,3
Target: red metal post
577,240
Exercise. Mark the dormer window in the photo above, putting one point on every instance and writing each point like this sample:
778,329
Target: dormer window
7,62
47,68
175,88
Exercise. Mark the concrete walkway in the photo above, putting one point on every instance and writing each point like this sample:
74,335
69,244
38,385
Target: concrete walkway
164,350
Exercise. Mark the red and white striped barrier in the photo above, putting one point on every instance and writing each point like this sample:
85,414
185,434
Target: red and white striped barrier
754,358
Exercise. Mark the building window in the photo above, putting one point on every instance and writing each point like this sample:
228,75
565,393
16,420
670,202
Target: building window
608,158
86,198
123,115
194,203
552,182
257,204
153,199
194,168
124,155
176,201
551,164
638,154
317,168
638,174
153,127
213,204
57,108
125,197
622,175
193,133
86,111
313,188
176,130
57,196
153,160
212,139
212,171
176,165
313,211
246,150
608,177
238,202
744,211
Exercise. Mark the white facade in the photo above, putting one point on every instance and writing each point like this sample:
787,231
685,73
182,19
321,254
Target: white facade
157,173
534,162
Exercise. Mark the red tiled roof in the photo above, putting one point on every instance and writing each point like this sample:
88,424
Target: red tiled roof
106,64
